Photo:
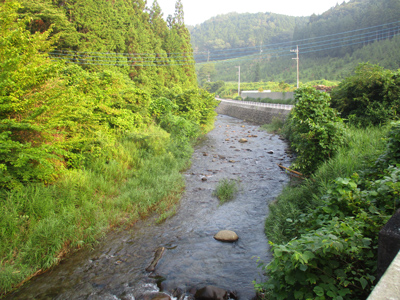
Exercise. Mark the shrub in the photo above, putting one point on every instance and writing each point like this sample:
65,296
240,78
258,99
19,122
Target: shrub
162,106
370,97
321,263
314,129
334,250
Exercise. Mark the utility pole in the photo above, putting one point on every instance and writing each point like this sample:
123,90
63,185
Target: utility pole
297,58
238,81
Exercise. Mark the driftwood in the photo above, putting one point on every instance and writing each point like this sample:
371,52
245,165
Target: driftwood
292,172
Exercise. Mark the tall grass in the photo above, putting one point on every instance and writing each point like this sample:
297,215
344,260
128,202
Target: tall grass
226,190
40,224
363,146
275,126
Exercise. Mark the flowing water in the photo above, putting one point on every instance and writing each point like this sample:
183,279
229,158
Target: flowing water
116,267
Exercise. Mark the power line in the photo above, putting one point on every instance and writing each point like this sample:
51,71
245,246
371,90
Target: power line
322,42
290,43
309,45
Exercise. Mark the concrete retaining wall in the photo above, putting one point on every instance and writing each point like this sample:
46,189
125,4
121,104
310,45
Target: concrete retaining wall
264,95
388,288
255,114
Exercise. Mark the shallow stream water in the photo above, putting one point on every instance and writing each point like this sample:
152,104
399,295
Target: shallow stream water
115,268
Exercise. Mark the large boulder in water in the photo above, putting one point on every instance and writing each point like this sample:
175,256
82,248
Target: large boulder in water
226,236
210,292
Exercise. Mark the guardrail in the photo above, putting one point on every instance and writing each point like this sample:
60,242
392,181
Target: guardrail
261,104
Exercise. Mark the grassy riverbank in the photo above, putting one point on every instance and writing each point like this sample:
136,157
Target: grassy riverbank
363,147
41,224
323,231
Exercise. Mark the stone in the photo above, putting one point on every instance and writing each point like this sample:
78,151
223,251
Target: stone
226,236
270,152
210,292
243,140
204,179
154,296
157,256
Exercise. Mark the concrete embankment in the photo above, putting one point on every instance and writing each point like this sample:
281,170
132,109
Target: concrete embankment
259,113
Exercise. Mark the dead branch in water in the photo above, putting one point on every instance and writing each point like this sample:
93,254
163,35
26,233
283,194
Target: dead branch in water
293,173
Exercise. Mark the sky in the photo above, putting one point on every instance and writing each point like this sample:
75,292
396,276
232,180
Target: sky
198,11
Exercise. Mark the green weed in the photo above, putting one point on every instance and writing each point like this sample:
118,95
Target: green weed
226,190
275,126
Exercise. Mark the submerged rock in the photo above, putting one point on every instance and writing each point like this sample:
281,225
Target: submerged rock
157,256
226,236
210,292
155,296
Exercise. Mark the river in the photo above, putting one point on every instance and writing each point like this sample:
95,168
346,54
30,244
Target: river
115,267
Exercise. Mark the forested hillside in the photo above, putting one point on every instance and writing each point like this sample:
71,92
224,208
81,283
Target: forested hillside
249,31
124,34
283,69
99,108
357,23
330,46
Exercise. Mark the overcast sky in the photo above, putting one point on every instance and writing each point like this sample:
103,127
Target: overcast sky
198,11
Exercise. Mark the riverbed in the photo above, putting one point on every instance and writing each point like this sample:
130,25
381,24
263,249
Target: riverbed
115,268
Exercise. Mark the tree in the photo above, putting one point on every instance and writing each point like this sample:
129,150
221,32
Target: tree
25,68
206,72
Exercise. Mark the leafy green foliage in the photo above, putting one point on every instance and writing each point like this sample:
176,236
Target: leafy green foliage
314,129
332,254
370,97
84,148
322,263
162,106
26,152
195,105
392,153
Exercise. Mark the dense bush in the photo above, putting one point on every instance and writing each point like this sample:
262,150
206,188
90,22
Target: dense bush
85,149
55,116
314,129
333,250
370,97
